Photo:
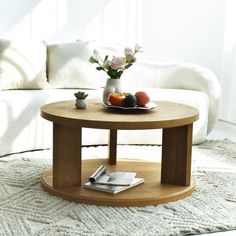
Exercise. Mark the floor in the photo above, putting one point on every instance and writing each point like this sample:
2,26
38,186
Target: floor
221,131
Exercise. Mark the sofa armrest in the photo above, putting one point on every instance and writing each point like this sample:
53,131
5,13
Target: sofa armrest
178,76
195,77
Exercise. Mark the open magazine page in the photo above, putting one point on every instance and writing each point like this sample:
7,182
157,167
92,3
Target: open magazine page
101,176
116,178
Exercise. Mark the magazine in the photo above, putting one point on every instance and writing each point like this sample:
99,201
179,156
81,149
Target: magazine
102,176
112,188
112,182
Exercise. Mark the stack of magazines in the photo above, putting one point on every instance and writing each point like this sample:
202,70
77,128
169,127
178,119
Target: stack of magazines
112,182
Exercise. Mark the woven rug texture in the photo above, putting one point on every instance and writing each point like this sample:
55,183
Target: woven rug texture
25,209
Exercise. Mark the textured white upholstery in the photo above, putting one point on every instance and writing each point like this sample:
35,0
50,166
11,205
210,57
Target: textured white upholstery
22,128
68,66
22,65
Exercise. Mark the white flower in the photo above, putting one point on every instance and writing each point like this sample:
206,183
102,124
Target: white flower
137,48
106,64
94,58
95,52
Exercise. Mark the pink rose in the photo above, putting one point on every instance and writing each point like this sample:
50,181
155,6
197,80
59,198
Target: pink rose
117,63
129,54
129,51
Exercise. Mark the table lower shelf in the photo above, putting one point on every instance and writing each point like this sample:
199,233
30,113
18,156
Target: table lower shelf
151,192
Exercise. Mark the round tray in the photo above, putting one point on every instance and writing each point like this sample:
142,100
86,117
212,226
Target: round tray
149,106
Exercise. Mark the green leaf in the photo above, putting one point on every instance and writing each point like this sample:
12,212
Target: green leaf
128,66
106,57
119,73
112,73
80,95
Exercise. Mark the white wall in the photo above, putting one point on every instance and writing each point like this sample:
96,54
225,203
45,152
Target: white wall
187,30
228,76
168,30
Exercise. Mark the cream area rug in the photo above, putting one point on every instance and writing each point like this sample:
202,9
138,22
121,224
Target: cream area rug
25,209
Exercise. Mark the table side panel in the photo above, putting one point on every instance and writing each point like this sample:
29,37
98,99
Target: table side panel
176,155
66,155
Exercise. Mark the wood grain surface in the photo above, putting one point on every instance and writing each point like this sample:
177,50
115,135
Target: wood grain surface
165,115
151,192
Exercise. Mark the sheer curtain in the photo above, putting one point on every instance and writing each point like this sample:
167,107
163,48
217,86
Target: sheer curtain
228,78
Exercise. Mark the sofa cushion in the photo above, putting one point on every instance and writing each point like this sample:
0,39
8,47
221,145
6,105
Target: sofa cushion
69,66
22,64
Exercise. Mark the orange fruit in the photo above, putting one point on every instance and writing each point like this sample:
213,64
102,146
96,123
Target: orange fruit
116,99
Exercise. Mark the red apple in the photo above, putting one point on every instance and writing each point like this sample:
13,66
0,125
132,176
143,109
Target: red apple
142,98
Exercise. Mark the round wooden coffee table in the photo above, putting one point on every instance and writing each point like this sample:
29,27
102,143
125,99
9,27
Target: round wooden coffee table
167,181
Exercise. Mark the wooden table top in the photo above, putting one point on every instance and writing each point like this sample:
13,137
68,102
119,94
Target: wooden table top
165,115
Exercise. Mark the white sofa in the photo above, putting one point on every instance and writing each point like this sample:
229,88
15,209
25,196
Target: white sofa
32,74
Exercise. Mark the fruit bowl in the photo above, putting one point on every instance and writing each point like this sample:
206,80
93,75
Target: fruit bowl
149,106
